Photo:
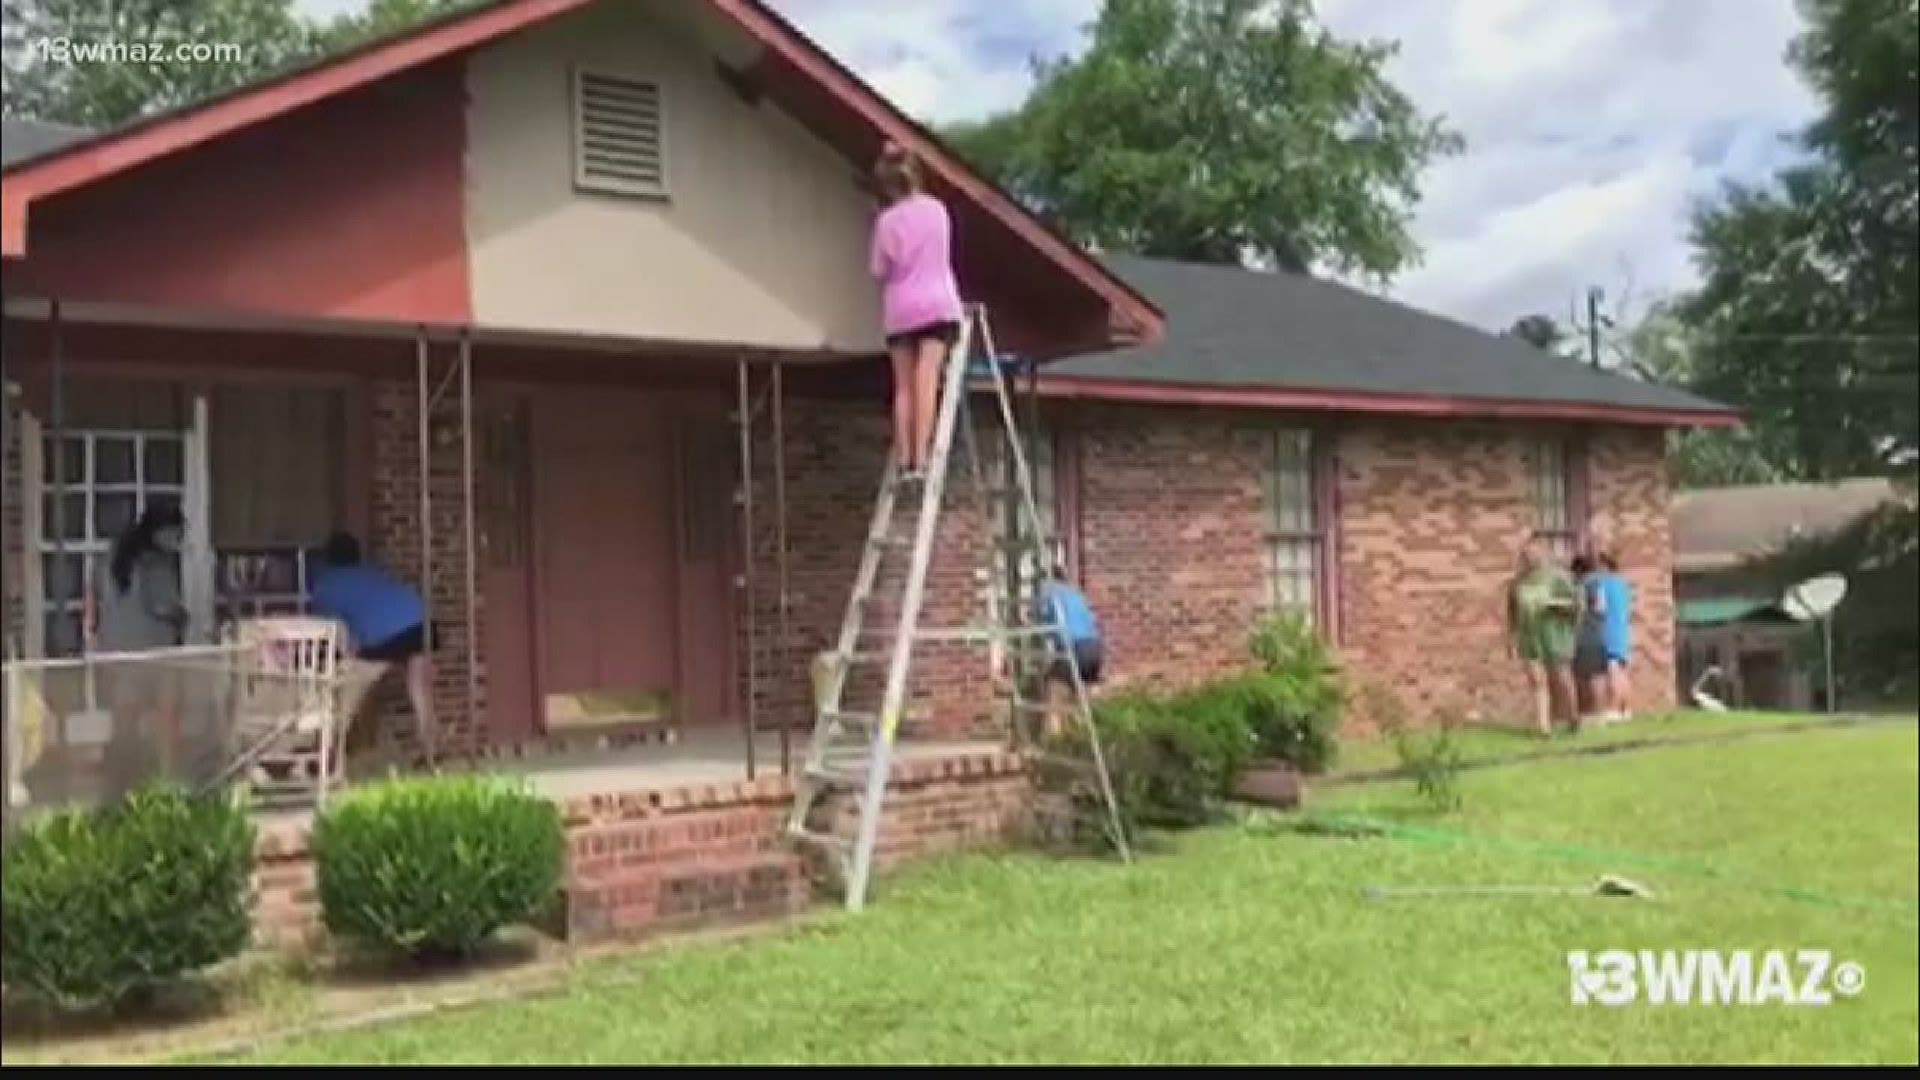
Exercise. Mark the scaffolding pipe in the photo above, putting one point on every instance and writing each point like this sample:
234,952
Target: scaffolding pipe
780,526
745,413
57,362
468,527
426,498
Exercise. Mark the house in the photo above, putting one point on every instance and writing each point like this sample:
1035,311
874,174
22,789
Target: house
562,304
1730,615
1295,443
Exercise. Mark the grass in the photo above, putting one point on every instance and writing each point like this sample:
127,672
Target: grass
1254,943
1504,743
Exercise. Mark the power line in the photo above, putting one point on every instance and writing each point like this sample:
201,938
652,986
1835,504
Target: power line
1834,338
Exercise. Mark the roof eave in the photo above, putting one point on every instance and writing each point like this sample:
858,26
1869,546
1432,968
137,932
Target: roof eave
1144,391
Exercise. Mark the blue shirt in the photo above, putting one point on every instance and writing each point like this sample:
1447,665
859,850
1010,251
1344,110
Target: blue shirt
375,606
1610,593
1062,604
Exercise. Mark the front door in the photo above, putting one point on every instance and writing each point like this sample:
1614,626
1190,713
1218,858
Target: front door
605,539
503,432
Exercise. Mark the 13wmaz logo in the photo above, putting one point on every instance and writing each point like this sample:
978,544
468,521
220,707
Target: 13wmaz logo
1711,977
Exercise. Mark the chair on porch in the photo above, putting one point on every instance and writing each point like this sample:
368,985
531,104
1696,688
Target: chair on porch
296,696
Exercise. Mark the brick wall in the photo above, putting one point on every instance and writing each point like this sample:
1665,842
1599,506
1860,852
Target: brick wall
1431,521
835,453
1430,518
394,542
653,861
1629,499
1172,554
1432,515
13,538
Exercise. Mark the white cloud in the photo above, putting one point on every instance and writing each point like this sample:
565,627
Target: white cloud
1591,125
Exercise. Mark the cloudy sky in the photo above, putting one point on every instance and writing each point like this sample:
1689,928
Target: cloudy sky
1591,125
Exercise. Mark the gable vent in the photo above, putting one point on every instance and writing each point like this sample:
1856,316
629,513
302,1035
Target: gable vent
619,135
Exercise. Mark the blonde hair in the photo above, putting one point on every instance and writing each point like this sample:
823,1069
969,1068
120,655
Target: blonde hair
897,172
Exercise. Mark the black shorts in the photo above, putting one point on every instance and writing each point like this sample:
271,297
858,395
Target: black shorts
1086,657
401,647
947,332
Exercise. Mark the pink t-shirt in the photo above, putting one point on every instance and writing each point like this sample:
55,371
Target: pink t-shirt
911,257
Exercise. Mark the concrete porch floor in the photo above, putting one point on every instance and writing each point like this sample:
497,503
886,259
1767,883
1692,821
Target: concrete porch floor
701,756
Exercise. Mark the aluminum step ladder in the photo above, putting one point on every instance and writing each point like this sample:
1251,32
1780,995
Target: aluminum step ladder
852,749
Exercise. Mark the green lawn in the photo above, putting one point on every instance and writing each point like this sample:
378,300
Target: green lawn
1255,943
1502,743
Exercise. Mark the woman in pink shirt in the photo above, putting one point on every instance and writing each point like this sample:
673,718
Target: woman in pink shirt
920,300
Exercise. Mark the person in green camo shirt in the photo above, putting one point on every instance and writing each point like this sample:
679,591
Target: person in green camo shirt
1543,619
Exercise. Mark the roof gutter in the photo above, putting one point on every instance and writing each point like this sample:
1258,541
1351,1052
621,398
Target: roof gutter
1093,388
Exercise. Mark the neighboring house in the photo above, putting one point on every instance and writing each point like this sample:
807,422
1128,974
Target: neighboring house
1729,609
251,305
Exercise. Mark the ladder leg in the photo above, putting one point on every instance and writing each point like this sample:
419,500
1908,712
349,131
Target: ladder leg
932,491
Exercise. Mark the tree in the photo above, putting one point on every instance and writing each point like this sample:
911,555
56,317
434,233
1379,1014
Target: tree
45,80
48,78
1219,131
1810,296
1539,331
383,17
1660,348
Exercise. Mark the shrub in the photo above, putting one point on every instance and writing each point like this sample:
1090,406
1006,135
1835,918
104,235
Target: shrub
431,868
1173,759
99,907
1295,702
1432,759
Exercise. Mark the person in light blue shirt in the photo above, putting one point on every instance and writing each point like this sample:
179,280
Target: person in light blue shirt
386,622
1606,636
1061,605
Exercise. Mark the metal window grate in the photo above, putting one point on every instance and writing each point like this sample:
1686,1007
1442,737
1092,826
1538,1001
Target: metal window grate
619,135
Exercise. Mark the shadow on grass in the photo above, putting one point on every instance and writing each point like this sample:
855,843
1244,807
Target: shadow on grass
258,992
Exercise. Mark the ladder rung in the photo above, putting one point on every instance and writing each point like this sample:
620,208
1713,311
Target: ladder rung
965,633
1063,761
868,657
829,839
1041,708
837,776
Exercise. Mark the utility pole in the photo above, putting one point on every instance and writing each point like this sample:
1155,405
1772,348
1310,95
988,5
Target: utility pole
1594,296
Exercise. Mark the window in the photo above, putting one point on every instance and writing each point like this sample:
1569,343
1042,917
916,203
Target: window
105,480
1556,512
619,135
997,466
1297,548
276,463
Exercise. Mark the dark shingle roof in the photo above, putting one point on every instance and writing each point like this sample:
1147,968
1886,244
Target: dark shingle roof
1228,327
24,139
1718,528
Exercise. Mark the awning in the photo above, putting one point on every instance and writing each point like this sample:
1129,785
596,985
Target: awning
1720,610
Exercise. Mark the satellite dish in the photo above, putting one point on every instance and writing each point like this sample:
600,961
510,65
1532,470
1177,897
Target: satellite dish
1814,598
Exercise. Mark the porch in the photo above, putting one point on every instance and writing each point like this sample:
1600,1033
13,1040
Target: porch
631,552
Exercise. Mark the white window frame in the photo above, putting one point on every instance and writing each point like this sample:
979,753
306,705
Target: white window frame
1296,527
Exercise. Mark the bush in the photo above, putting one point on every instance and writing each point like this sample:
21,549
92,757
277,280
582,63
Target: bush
99,907
1295,702
431,868
1174,759
1433,759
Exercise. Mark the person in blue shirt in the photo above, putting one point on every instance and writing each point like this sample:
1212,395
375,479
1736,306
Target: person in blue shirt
1606,635
1060,604
385,619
